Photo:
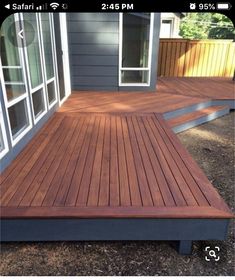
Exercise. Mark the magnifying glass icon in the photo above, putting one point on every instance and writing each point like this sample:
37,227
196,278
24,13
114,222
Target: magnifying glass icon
212,253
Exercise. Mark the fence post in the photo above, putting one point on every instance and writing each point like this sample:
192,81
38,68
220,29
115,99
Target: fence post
186,57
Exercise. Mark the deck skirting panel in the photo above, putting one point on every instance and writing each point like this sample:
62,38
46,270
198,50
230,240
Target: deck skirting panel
224,102
201,120
185,110
112,229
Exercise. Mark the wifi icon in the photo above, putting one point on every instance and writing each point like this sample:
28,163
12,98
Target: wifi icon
54,5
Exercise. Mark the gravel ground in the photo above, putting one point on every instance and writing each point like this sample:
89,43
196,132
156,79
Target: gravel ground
212,146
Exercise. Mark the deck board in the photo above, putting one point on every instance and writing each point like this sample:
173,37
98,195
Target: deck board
113,155
125,199
201,87
108,165
114,171
171,93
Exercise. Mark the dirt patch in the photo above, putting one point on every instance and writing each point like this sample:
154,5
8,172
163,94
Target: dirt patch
212,146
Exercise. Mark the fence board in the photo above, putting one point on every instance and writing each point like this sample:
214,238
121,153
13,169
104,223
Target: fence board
196,58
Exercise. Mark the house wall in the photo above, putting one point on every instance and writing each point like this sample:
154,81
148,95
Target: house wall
175,24
93,49
94,52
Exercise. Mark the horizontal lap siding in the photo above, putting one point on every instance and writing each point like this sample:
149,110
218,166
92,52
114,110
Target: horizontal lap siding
93,46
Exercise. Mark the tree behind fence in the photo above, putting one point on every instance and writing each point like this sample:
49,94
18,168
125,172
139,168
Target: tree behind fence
196,58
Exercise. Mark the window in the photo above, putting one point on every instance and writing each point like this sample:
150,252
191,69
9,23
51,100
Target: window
3,138
47,47
28,72
35,67
38,102
51,92
11,62
135,48
166,28
16,96
135,76
18,117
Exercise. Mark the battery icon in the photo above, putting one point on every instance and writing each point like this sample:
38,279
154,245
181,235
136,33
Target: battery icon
223,6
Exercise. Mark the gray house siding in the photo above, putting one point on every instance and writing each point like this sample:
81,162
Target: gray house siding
93,48
94,52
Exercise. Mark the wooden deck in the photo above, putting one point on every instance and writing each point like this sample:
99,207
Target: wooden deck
104,102
171,94
107,165
210,88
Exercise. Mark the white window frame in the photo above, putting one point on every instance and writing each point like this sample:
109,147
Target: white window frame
51,24
42,85
135,68
4,135
29,91
25,96
65,57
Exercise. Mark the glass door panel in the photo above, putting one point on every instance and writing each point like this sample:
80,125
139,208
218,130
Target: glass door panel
15,91
47,47
9,52
135,40
33,52
51,92
28,72
35,66
135,76
38,102
135,48
18,117
11,62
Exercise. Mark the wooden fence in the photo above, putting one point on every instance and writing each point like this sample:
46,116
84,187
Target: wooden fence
196,58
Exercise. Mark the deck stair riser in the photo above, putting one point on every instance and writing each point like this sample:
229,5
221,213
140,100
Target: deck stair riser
196,118
229,102
186,110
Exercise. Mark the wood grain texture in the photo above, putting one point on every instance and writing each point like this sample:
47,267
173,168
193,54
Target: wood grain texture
196,58
113,212
196,87
108,165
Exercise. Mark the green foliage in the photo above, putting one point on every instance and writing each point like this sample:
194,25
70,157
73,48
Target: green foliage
206,26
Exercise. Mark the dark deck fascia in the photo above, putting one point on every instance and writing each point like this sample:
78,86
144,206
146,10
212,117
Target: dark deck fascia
113,229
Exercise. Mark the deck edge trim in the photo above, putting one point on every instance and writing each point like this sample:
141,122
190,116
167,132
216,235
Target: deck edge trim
113,212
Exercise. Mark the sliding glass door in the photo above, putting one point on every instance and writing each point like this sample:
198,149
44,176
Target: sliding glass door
28,71
47,46
34,63
136,32
16,97
41,63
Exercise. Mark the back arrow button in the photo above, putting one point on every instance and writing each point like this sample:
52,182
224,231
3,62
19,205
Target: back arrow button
20,34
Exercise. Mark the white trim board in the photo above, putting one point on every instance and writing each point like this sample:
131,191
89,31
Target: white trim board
65,57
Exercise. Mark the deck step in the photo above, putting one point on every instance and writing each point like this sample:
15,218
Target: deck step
197,117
